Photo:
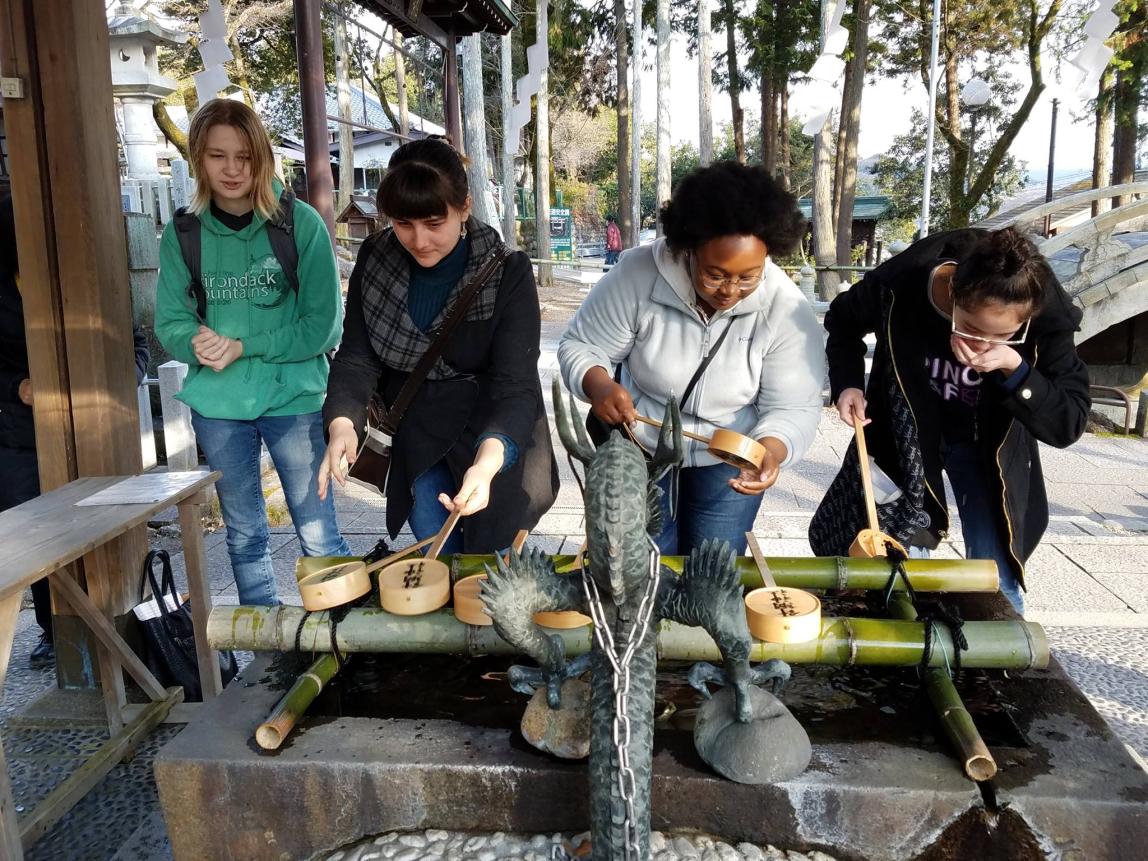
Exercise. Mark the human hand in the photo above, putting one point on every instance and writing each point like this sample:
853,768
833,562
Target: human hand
751,482
208,344
611,402
851,405
473,495
222,353
24,391
997,357
342,448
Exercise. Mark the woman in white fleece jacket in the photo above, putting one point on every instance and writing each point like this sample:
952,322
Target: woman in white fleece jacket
661,310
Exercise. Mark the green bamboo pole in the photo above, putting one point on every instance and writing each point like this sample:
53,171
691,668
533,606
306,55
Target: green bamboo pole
950,708
1010,644
824,572
294,704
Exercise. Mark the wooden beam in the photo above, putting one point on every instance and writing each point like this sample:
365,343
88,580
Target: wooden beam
10,847
191,530
9,613
110,639
65,796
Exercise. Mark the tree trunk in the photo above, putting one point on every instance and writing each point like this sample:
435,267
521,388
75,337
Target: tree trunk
1102,144
474,129
845,190
1126,97
401,84
636,126
824,244
705,85
768,123
783,135
662,188
622,67
509,148
170,130
346,132
734,83
542,147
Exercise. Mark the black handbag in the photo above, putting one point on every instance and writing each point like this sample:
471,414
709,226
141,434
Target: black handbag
169,634
373,460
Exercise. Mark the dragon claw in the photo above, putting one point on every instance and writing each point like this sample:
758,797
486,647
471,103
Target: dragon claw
527,680
773,675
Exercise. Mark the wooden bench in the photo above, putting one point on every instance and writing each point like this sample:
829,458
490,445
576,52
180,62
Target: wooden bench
39,538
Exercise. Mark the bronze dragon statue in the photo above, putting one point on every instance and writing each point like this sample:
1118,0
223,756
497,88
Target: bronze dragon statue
626,591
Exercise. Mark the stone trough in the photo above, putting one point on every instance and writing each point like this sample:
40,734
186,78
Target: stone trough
419,742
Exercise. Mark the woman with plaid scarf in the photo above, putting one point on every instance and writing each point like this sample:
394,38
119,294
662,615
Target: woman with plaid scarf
475,436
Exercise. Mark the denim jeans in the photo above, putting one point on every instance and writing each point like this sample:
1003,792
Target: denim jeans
707,508
20,483
983,538
297,447
427,513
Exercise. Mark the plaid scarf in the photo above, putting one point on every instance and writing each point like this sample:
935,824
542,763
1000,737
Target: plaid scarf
398,342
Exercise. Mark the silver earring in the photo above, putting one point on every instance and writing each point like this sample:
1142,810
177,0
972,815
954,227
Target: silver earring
462,233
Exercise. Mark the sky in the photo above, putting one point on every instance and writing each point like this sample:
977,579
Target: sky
879,124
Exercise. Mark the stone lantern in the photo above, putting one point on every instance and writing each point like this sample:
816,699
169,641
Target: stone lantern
137,82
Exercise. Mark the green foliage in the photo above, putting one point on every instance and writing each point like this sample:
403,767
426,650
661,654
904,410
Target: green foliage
900,174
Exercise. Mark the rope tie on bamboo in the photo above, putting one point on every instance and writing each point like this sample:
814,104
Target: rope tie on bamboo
951,618
897,569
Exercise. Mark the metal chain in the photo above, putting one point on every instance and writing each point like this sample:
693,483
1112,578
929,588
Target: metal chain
620,664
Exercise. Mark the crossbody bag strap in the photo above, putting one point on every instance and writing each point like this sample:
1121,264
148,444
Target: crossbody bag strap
704,364
395,412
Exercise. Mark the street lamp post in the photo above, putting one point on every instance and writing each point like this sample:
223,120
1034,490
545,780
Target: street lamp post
975,94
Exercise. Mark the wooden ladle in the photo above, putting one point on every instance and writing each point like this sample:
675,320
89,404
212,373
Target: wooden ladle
780,614
870,542
412,587
738,450
339,584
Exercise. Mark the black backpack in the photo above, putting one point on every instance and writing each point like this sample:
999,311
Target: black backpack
280,232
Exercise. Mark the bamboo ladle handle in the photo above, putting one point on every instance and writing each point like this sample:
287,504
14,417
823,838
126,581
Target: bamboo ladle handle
707,440
444,533
866,481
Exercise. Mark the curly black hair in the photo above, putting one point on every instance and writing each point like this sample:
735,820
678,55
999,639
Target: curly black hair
1003,266
728,198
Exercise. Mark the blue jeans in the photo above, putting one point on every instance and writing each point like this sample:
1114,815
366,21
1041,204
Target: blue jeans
297,447
983,538
427,513
707,508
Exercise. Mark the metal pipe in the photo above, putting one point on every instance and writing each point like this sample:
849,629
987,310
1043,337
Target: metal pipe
313,95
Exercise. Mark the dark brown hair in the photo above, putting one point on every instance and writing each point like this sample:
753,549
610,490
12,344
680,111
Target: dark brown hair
424,178
1005,267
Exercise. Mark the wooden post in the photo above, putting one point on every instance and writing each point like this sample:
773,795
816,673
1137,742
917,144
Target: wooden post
77,303
313,95
1142,415
451,107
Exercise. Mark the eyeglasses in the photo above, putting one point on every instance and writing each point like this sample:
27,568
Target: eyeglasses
743,285
1015,340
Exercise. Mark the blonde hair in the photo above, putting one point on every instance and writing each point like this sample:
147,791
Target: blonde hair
228,112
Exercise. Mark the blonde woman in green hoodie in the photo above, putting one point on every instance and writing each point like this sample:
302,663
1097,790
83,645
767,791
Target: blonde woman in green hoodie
255,345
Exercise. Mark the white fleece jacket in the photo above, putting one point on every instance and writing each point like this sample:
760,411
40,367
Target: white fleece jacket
766,379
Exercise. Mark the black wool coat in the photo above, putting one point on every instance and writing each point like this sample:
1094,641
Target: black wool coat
495,390
1051,404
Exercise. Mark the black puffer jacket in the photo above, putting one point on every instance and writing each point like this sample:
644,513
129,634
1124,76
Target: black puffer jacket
1051,405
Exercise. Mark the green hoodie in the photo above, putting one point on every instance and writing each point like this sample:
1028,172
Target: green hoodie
283,370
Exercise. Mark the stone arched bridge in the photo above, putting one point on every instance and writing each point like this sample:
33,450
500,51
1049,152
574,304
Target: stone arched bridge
1103,260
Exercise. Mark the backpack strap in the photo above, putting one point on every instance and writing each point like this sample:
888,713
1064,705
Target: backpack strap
281,234
188,231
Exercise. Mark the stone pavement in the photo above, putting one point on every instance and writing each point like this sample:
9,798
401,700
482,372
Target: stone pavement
1088,584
